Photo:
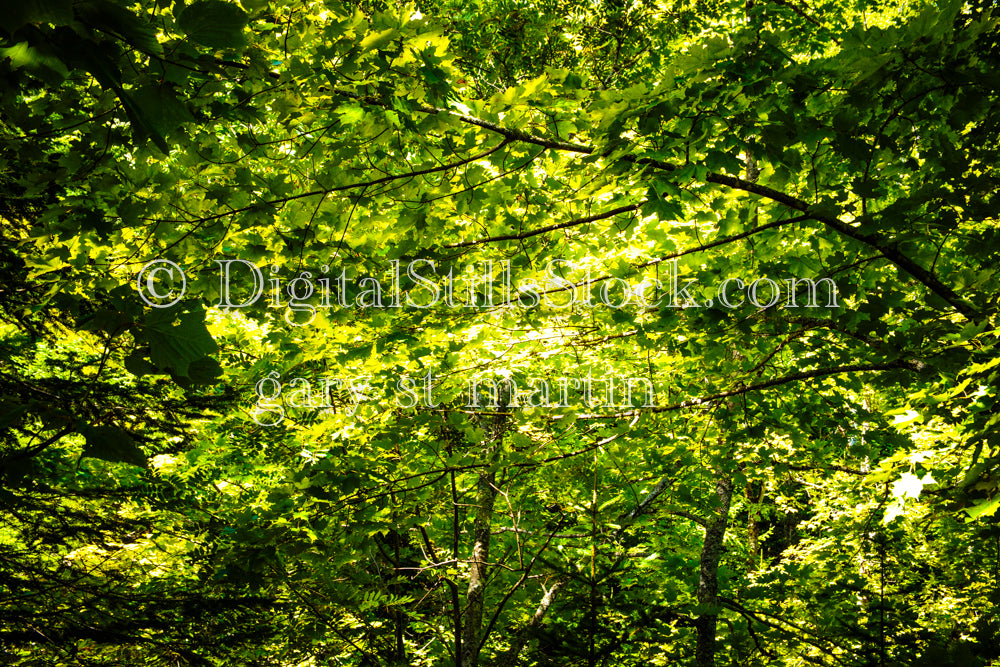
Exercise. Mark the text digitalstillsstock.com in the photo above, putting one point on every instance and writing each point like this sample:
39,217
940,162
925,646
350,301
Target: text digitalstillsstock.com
420,284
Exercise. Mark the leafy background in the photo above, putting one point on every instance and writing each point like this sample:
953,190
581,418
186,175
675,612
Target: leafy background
812,486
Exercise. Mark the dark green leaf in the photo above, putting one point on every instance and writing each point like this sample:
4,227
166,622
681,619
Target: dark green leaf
214,23
118,21
111,443
16,13
173,346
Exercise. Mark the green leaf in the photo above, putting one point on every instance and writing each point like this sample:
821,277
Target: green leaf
174,346
351,113
214,23
160,110
110,18
111,443
377,40
138,365
11,412
44,265
107,319
983,508
204,370
17,13
35,60
141,126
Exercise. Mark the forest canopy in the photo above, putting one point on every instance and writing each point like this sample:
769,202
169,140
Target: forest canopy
499,333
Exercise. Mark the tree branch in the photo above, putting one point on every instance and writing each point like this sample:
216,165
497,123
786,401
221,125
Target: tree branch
551,228
891,253
795,377
509,658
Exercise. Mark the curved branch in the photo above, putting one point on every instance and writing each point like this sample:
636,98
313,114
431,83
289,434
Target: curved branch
910,364
550,228
888,251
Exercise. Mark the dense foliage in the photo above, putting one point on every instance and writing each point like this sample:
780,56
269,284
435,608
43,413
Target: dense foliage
497,333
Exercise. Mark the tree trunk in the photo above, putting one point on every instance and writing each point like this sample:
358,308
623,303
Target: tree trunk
708,582
755,496
472,628
509,659
482,530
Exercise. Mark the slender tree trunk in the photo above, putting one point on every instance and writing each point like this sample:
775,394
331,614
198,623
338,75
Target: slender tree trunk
482,530
509,659
456,605
399,616
753,542
755,496
708,582
472,628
